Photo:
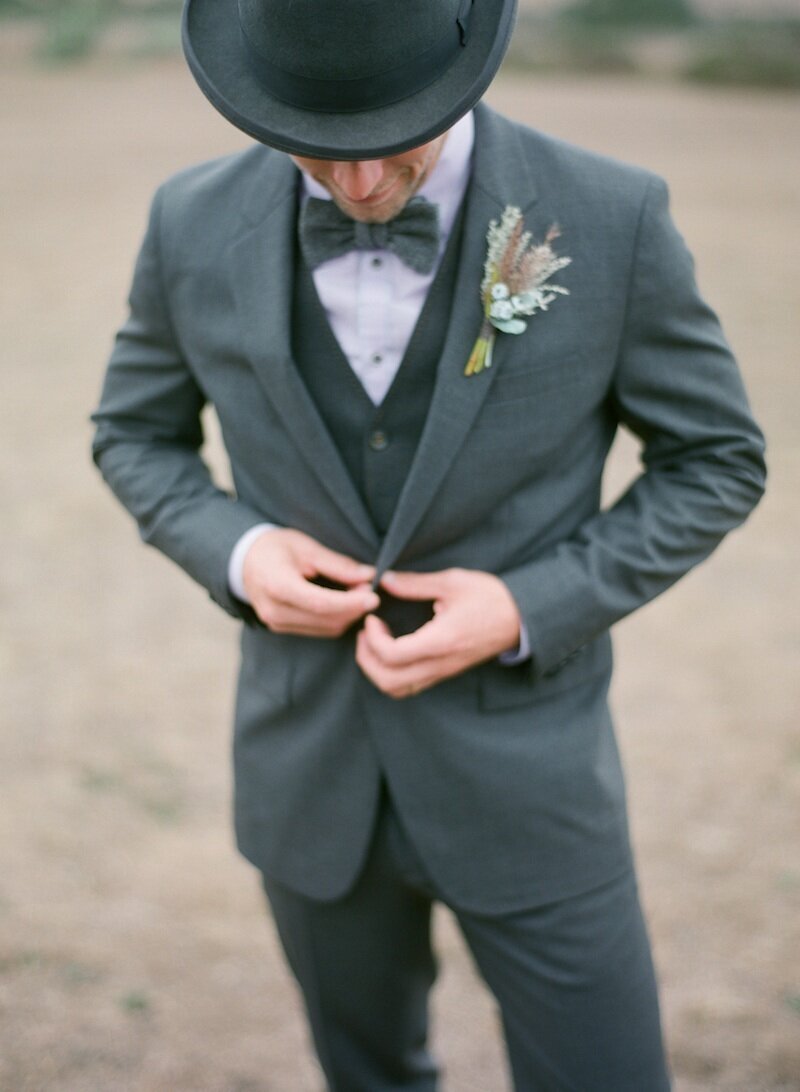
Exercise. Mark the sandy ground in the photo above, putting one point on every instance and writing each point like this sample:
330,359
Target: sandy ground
134,952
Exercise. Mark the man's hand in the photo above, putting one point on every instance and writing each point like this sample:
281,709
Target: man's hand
279,572
475,619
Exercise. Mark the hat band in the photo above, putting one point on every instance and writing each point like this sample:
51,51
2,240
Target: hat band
367,92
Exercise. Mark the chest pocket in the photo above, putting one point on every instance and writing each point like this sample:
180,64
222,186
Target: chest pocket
534,393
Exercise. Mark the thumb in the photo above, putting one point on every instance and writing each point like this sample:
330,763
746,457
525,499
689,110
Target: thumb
414,585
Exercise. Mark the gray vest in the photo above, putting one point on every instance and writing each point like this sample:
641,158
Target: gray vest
377,443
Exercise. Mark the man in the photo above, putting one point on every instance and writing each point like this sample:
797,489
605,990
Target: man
415,542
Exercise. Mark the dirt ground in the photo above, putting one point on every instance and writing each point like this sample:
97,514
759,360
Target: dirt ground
134,952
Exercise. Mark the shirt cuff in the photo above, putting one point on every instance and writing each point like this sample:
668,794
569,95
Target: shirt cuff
238,554
519,654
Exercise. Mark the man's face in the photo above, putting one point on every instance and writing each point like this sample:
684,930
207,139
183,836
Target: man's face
374,190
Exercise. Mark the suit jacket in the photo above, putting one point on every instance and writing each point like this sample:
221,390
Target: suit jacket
507,779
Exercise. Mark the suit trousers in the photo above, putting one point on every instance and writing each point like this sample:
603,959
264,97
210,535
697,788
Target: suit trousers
573,980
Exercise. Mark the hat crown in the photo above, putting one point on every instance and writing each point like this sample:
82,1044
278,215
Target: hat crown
344,39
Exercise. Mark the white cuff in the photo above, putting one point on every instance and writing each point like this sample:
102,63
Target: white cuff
238,554
521,653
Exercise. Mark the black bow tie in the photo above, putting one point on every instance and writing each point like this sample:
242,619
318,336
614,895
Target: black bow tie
326,232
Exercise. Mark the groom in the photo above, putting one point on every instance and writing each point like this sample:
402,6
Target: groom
417,546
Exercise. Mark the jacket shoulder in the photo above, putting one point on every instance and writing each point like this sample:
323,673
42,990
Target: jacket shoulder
211,200
574,173
588,174
203,180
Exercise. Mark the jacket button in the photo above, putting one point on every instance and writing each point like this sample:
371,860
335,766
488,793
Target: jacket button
378,440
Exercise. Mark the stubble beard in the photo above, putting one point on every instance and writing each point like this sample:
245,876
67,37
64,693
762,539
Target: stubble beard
396,202
380,213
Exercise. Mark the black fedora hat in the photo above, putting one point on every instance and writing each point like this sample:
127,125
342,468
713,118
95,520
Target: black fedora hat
345,79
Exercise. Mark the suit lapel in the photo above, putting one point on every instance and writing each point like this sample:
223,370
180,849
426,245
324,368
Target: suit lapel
262,268
501,176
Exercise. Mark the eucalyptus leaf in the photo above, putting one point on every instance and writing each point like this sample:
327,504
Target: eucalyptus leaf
509,326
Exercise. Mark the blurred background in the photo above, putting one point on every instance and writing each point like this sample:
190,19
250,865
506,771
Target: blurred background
729,42
135,954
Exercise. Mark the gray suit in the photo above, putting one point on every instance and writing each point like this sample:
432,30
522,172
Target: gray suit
507,780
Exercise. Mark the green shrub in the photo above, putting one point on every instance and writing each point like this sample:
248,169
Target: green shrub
71,29
748,58
663,13
541,47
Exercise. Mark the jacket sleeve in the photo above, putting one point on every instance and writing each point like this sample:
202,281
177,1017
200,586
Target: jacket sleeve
677,387
149,435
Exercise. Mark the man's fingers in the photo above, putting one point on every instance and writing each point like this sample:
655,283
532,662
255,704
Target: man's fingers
303,596
475,618
337,567
285,618
396,682
429,642
288,576
376,628
416,585
300,623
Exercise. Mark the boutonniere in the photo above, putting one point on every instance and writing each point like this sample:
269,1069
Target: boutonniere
515,276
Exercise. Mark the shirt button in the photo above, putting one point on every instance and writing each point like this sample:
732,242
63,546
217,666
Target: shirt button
377,263
378,440
376,358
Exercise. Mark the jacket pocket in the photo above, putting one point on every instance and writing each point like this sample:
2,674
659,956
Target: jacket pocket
266,669
502,687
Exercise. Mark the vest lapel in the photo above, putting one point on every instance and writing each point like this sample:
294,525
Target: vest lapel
344,405
501,176
262,267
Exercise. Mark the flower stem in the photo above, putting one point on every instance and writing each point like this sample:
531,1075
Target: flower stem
481,355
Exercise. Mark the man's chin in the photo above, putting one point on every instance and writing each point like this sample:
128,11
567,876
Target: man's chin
378,213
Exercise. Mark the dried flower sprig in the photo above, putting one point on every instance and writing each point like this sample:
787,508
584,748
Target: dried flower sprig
514,282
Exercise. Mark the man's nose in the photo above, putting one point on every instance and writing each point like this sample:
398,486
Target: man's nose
359,178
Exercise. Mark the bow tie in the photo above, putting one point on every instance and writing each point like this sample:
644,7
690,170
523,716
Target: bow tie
326,232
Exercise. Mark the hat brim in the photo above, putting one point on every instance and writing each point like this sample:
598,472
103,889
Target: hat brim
212,43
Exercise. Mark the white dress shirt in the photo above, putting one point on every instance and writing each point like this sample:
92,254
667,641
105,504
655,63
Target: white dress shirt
372,300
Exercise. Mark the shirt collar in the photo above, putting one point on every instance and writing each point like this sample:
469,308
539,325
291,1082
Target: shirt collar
447,182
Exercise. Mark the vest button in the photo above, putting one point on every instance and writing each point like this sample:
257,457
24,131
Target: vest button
378,440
